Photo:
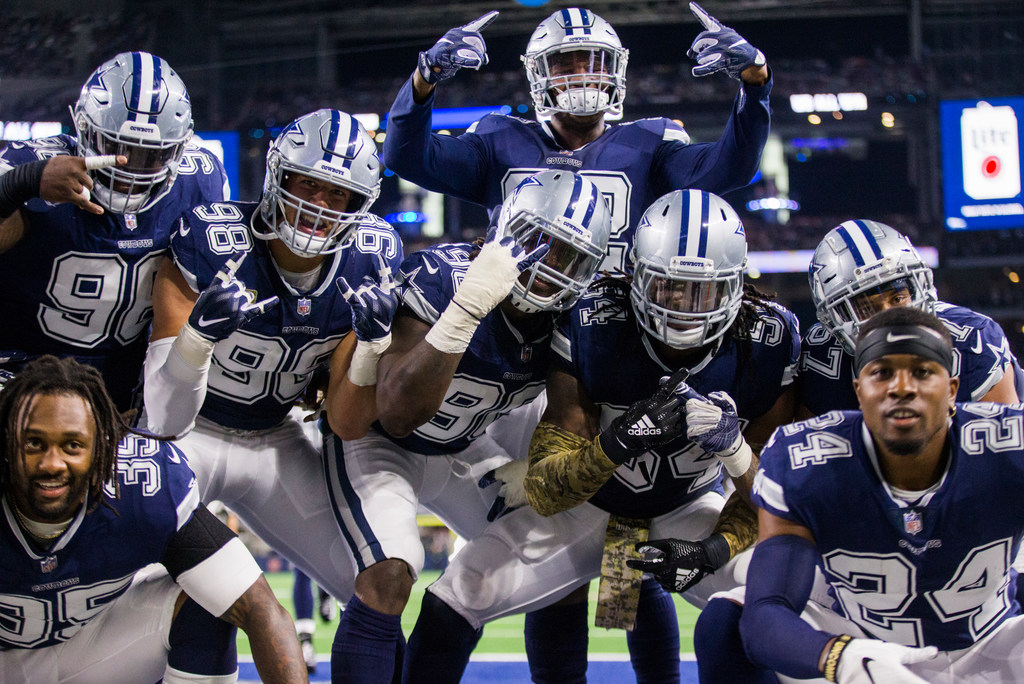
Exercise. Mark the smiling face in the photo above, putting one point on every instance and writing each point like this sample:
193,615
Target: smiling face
906,400
51,473
314,195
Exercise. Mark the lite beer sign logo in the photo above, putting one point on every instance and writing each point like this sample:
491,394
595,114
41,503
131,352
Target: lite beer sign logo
991,153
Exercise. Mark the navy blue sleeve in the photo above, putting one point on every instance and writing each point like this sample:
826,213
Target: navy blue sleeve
729,163
441,163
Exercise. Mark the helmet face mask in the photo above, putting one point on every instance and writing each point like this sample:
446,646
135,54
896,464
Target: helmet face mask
567,213
134,105
323,153
576,64
689,254
861,268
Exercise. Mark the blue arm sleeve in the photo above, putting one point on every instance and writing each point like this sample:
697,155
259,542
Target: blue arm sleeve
779,582
729,163
440,163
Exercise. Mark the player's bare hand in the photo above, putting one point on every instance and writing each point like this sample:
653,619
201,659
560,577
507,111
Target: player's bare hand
66,179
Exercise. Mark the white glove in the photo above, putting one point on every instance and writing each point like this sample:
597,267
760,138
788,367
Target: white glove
512,492
487,281
870,661
713,424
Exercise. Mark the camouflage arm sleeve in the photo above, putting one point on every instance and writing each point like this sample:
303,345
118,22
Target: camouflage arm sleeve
738,524
565,469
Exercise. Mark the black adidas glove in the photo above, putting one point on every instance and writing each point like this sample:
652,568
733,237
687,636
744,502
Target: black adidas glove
678,564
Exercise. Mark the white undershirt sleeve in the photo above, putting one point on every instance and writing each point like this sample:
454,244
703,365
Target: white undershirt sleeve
176,372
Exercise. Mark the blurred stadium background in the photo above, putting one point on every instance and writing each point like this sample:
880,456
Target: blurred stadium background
876,110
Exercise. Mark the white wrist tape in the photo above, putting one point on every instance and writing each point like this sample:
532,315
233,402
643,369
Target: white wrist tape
737,463
453,330
195,350
362,370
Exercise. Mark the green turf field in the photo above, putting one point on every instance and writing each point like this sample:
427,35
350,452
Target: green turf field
502,636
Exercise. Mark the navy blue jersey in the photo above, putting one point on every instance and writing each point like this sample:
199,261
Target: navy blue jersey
632,163
81,285
937,573
263,367
48,596
502,369
600,344
981,357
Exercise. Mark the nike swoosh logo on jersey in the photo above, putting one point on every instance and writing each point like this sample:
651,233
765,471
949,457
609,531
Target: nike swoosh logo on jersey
864,662
977,348
184,229
431,269
899,338
207,322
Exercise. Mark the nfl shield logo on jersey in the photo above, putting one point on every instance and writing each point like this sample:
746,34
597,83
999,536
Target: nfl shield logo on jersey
304,306
131,222
912,522
48,564
526,353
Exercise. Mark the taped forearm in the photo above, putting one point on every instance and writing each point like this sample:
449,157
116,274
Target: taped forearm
176,372
362,369
565,469
738,524
453,331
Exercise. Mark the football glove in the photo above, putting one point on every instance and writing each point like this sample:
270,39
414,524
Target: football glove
645,425
373,304
511,493
720,48
869,661
225,306
713,425
460,48
678,564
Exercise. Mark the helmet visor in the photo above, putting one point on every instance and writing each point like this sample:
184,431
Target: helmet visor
688,296
144,158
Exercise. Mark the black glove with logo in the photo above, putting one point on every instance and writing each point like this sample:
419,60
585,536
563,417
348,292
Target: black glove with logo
678,564
645,425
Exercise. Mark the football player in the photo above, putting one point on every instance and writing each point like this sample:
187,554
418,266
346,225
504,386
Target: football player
87,503
860,268
923,584
86,220
576,68
471,344
616,443
255,303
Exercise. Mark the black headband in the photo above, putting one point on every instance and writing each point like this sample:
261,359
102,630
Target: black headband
903,339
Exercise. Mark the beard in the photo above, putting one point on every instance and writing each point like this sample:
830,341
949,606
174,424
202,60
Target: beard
904,447
58,510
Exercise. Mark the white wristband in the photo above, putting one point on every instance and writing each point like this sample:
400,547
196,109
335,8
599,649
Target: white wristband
195,350
453,330
362,370
738,462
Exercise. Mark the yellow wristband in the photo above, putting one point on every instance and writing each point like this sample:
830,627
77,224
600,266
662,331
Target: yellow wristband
832,659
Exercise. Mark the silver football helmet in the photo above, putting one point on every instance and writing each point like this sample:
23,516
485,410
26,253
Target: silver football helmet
689,252
135,105
576,64
569,214
329,146
862,267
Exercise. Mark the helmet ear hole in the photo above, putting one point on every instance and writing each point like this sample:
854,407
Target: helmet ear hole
688,271
330,147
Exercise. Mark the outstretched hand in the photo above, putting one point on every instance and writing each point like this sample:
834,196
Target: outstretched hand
720,48
224,306
460,48
373,304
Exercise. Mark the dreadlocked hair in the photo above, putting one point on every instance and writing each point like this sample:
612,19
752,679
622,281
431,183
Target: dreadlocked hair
51,375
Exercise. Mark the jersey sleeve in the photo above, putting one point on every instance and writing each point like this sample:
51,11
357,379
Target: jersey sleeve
726,164
18,153
211,180
428,283
183,247
447,164
561,345
988,359
769,489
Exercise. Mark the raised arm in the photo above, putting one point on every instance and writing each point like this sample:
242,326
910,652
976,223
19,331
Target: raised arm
186,328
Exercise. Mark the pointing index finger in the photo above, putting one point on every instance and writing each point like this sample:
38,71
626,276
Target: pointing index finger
710,23
100,162
481,23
